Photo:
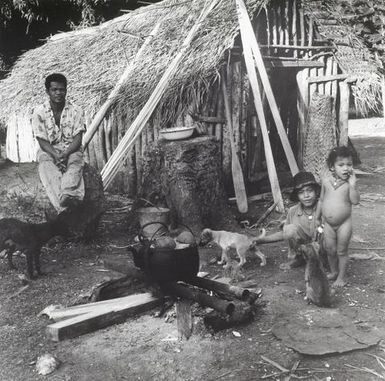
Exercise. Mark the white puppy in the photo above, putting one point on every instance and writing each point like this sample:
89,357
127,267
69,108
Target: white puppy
227,240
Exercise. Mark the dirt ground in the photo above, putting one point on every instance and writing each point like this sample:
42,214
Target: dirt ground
146,347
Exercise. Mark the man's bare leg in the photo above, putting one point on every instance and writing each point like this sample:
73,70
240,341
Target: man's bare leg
50,177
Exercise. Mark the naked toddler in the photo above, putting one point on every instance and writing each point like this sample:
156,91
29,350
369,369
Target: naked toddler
338,194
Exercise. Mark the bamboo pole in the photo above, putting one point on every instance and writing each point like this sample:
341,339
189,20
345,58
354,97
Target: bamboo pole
236,104
251,41
302,109
111,97
108,137
273,25
334,82
320,72
135,129
236,169
383,96
286,18
294,26
328,72
302,27
268,34
219,125
343,118
247,50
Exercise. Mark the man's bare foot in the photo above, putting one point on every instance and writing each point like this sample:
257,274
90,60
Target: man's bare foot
339,283
332,276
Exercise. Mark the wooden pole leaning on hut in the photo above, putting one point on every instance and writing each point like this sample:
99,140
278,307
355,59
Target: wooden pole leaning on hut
249,36
106,105
236,169
272,172
115,161
343,115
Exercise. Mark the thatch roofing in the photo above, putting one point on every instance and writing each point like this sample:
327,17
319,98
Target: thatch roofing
353,56
94,59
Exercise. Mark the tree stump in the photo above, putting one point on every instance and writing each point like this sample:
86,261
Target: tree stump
27,194
84,219
186,176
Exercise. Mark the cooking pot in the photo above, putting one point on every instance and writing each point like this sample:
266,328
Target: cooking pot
165,264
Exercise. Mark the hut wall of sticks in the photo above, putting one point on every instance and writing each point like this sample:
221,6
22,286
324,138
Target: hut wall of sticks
300,53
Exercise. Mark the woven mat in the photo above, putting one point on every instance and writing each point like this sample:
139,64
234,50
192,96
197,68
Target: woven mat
320,135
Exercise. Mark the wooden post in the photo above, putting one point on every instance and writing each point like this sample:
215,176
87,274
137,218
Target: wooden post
184,318
343,118
249,39
328,71
259,106
302,108
236,169
383,96
294,26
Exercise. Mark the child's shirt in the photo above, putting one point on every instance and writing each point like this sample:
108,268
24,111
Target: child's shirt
297,216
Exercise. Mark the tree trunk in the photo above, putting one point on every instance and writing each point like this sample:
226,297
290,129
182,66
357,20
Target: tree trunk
186,177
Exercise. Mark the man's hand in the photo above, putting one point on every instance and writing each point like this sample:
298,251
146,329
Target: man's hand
61,161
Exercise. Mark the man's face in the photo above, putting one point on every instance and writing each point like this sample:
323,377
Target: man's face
57,92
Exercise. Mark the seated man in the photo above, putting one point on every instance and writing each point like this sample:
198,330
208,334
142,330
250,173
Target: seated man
58,126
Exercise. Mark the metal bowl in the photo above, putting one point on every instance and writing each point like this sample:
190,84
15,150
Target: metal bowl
177,133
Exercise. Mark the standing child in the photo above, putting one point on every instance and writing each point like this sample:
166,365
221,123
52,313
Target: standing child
301,223
338,194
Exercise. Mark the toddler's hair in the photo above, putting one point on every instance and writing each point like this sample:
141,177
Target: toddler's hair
341,151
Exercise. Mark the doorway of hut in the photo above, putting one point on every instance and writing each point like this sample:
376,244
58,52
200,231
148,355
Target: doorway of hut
284,85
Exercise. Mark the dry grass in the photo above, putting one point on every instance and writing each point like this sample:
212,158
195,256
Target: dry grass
94,59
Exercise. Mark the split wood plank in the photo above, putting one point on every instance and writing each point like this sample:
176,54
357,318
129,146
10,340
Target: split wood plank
247,50
116,160
236,169
112,96
70,312
107,316
250,39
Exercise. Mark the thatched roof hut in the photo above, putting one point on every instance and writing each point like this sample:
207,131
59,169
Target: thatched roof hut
94,58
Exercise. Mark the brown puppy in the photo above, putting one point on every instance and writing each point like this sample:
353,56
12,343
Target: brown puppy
227,240
317,284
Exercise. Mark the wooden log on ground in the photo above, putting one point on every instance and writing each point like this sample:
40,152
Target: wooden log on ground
200,297
221,288
105,317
